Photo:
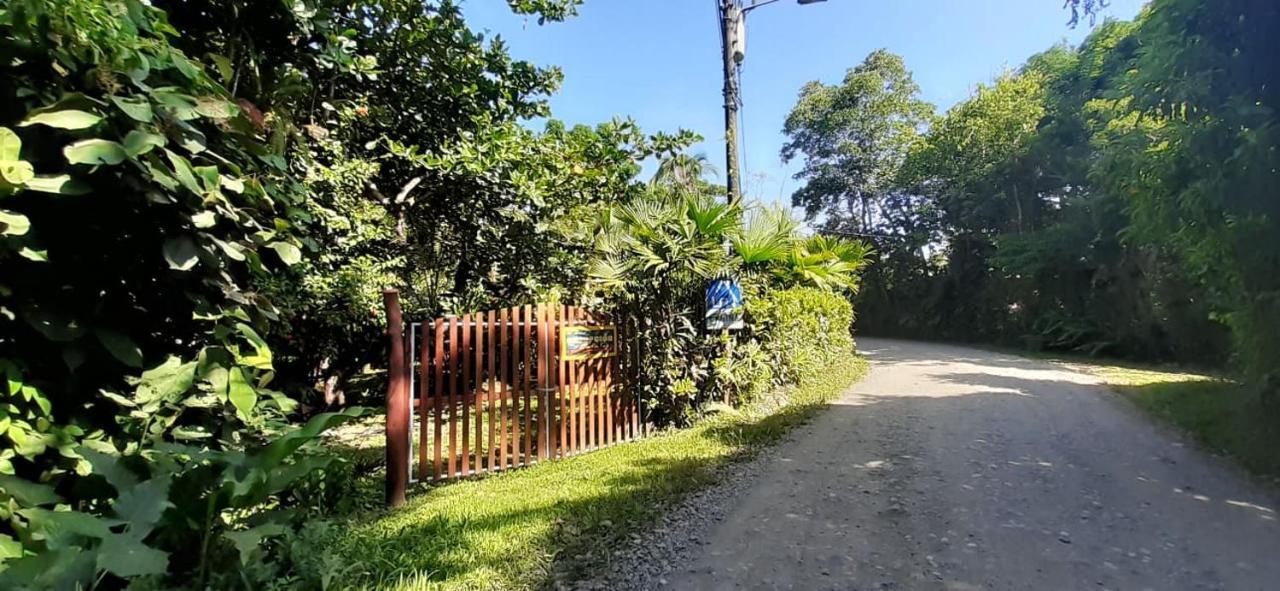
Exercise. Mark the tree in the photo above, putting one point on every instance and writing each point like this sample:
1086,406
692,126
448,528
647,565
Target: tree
853,138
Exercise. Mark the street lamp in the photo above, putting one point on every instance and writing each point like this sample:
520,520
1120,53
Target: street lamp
733,43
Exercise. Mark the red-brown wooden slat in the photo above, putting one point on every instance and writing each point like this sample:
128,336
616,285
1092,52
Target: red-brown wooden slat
540,369
571,390
561,402
503,389
544,361
464,394
424,389
608,392
513,380
455,342
437,395
526,334
491,354
481,394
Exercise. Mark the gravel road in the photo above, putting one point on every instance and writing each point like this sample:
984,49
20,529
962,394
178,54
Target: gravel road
957,468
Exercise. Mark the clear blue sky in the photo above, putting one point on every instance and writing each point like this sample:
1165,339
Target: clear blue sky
658,61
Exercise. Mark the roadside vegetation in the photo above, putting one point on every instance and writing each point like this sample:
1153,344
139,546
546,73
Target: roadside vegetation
1221,414
200,204
1115,199
505,531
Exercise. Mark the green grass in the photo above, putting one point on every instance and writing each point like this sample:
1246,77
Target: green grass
1224,416
506,531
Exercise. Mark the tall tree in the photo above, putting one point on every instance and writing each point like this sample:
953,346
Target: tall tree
853,137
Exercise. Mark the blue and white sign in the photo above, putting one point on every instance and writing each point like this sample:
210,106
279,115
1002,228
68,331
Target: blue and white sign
724,305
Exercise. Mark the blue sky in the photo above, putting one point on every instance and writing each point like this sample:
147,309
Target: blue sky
658,61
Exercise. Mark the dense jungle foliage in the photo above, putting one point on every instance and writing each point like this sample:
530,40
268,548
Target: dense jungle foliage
1115,198
200,203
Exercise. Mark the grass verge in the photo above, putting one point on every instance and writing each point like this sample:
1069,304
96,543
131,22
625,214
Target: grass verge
504,531
1224,416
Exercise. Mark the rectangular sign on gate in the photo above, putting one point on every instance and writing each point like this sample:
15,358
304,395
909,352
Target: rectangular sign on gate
588,342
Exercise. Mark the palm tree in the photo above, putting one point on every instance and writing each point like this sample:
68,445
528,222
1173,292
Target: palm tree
683,170
826,262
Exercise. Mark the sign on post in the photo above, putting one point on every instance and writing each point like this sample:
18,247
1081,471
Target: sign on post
588,342
724,305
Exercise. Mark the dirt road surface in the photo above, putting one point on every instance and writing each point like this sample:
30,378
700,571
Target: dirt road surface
957,468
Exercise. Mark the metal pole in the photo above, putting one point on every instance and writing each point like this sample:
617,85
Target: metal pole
397,443
730,12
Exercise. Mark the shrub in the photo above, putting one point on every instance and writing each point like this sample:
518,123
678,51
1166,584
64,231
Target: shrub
804,329
139,201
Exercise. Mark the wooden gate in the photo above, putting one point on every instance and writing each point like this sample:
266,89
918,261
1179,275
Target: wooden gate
507,388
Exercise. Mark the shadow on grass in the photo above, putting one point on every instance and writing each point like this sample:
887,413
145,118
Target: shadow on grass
522,528
1224,416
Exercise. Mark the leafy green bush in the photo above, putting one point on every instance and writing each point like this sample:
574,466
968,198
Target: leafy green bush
139,203
805,329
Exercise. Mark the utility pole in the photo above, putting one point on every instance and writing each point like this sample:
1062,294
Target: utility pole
731,16
733,45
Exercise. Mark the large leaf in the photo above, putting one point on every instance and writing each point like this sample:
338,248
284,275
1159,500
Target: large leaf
95,151
137,108
125,556
181,253
16,172
138,142
241,393
121,347
270,457
64,119
10,144
167,381
29,494
61,184
61,523
288,253
142,505
261,358
13,223
246,541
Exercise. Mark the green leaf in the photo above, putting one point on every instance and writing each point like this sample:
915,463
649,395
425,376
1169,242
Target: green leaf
288,253
139,142
142,505
204,219
65,119
182,170
120,346
136,108
215,108
29,494
13,223
125,556
223,64
270,457
16,172
248,540
74,522
181,253
95,151
233,251
262,353
241,393
39,256
10,144
167,381
9,548
183,106
108,466
61,184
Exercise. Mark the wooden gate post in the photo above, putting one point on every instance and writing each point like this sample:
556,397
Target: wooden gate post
397,404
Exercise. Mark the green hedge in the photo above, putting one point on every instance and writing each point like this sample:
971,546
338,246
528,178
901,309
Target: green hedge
803,329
